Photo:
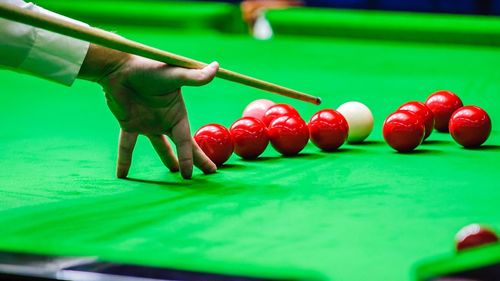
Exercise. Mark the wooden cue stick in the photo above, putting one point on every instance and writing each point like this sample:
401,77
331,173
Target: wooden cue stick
113,41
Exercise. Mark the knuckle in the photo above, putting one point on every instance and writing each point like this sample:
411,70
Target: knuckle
125,148
185,162
183,142
202,76
124,163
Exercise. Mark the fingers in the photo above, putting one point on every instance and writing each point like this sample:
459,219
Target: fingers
164,150
182,139
202,161
196,77
126,144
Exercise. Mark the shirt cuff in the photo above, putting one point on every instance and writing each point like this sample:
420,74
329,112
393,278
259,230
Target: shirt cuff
54,56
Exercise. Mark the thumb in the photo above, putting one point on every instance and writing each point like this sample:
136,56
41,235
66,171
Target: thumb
197,77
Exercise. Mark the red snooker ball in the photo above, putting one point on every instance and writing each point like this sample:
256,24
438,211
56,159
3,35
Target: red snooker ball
288,134
257,109
250,137
215,141
328,129
474,235
404,130
421,109
443,104
278,110
470,126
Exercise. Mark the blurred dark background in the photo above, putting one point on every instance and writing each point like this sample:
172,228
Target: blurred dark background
483,7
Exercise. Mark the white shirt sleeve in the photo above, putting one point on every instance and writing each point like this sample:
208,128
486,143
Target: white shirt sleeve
40,52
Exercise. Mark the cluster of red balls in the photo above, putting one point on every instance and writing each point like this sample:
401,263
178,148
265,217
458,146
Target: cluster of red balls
414,121
264,122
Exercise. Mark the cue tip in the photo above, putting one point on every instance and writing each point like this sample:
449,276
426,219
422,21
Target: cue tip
318,100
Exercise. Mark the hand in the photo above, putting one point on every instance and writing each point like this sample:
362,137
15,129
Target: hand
145,97
252,9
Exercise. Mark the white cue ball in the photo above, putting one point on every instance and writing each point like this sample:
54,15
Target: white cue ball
360,120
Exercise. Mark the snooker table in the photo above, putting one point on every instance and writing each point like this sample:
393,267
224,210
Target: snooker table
363,212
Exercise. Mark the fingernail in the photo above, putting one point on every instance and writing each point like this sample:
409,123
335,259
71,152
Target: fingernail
211,170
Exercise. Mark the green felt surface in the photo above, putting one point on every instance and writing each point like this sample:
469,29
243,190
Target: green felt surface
185,15
471,259
362,213
380,25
